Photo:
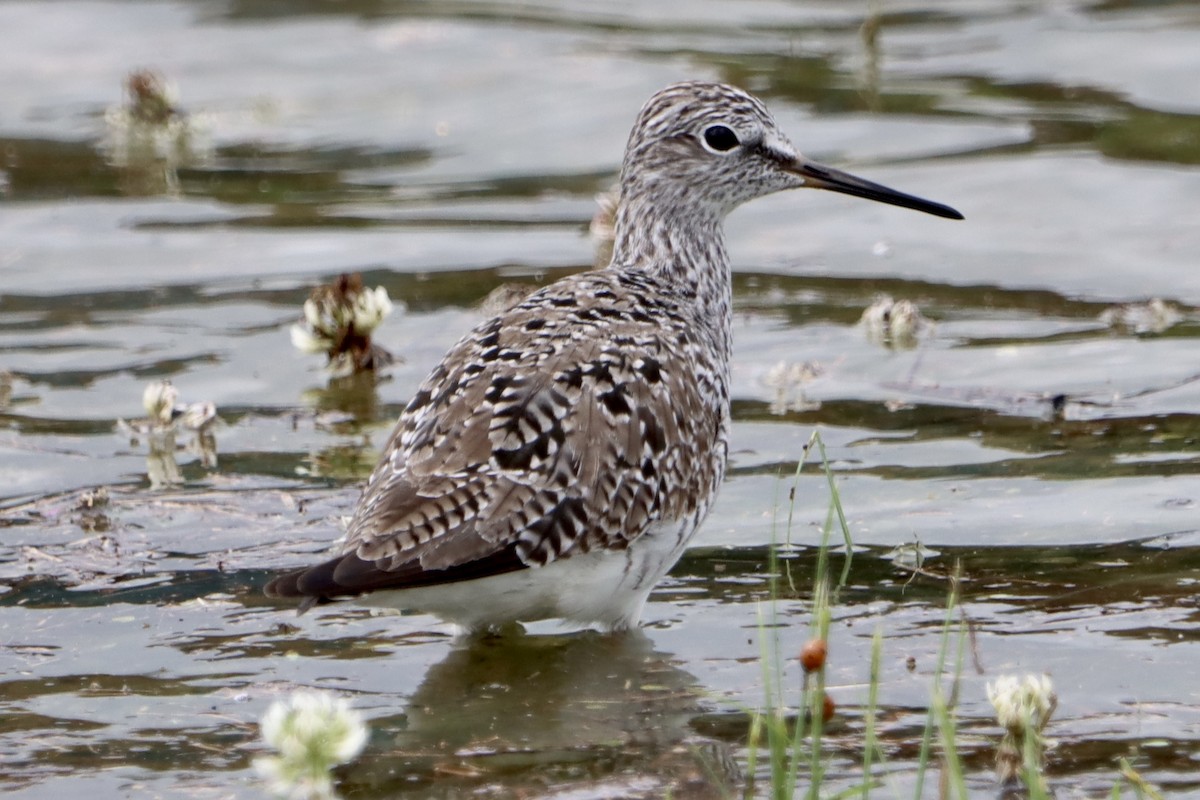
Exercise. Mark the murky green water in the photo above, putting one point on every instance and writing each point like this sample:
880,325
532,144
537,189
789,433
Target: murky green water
1046,441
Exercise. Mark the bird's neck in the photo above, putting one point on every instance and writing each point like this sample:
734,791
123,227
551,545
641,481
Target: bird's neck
683,247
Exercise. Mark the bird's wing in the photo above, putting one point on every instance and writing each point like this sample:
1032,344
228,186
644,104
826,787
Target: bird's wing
562,426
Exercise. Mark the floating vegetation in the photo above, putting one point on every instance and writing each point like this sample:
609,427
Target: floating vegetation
894,323
165,413
339,318
165,416
90,511
150,136
198,416
160,400
1023,707
787,379
313,732
1153,316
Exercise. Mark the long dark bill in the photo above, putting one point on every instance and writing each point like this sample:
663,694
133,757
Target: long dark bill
819,176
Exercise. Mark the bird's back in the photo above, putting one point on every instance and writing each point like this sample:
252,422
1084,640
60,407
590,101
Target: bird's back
577,421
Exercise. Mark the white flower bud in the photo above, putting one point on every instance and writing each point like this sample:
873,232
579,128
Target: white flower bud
308,341
313,732
1023,705
159,400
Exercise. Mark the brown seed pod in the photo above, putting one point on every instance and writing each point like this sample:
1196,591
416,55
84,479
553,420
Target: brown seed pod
812,655
828,708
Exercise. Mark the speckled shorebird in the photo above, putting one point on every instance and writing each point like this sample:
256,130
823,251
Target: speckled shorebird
560,457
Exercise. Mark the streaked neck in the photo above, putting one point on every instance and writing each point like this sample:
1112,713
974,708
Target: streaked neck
682,244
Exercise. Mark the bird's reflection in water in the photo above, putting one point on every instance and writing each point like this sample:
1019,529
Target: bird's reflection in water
581,715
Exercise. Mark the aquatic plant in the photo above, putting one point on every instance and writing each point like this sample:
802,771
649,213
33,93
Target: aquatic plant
1023,707
787,379
339,318
783,740
165,415
1153,316
790,740
313,732
198,417
894,323
795,751
160,399
150,135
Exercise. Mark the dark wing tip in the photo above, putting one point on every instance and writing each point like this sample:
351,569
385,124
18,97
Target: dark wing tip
348,575
312,585
283,585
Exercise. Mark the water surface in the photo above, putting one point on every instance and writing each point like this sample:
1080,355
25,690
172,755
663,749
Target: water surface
1042,432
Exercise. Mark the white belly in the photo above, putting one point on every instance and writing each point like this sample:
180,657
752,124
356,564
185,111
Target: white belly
605,589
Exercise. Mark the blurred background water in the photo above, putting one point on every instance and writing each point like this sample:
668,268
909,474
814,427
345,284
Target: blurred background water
1042,427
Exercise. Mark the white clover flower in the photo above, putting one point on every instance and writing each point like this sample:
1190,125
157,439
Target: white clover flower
151,128
787,379
328,316
313,732
315,723
307,340
907,320
370,308
897,322
1023,704
1153,316
339,319
318,315
198,416
159,399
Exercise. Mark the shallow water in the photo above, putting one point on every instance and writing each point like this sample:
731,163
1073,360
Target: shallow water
1031,433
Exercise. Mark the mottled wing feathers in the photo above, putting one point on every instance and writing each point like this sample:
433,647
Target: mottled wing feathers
573,421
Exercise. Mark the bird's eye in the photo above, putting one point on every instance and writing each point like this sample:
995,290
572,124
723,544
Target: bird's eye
720,138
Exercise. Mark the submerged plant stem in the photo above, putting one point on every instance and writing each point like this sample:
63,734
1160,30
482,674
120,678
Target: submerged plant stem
835,501
952,601
870,740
